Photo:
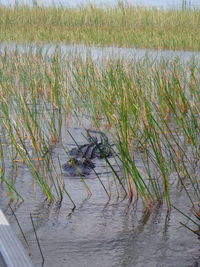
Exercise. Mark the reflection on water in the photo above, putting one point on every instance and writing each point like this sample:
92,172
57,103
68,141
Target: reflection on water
100,53
100,232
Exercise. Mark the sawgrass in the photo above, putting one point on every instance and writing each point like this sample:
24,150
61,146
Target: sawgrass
123,25
151,110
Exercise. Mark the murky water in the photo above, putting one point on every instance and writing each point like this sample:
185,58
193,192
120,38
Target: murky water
99,232
99,53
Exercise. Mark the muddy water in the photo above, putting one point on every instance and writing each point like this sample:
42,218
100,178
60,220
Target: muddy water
99,232
100,53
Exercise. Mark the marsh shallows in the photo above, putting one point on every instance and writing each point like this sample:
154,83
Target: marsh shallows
151,111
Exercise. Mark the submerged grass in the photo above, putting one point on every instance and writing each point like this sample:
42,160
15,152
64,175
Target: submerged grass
151,110
123,25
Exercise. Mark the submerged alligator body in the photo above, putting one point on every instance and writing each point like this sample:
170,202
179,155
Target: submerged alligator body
80,162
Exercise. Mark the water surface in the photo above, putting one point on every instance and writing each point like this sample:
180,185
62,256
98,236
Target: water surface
99,232
100,53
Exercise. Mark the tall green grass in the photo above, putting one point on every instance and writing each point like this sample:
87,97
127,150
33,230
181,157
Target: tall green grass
151,110
123,25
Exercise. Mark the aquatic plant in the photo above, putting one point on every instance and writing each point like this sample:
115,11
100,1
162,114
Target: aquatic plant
154,116
150,109
122,25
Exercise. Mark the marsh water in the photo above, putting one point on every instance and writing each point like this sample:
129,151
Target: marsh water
99,53
100,231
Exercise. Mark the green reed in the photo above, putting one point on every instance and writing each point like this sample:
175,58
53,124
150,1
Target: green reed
151,110
122,25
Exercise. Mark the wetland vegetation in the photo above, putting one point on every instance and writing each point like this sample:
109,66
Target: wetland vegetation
151,110
123,25
148,108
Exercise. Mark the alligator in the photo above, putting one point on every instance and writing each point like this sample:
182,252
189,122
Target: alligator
80,162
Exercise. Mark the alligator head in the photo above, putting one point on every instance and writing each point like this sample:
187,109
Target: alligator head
80,162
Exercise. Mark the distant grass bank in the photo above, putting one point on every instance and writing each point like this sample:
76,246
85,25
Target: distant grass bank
118,26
